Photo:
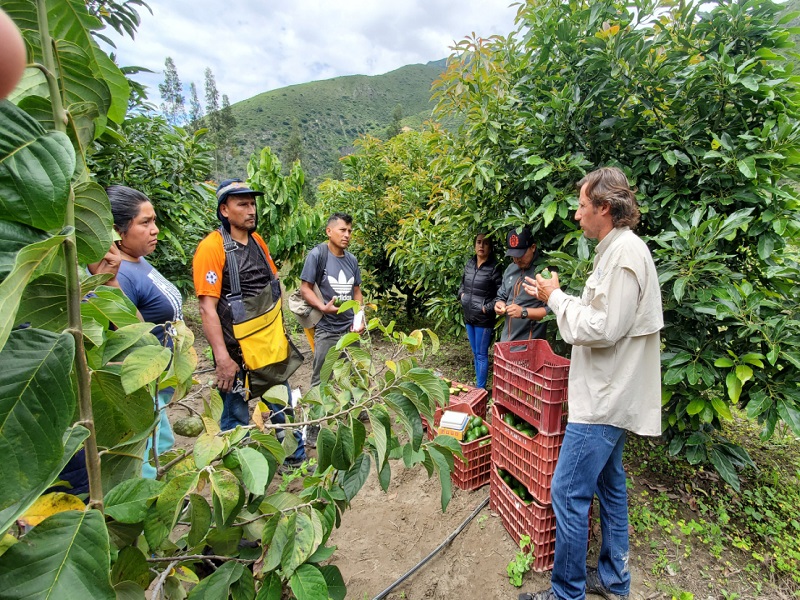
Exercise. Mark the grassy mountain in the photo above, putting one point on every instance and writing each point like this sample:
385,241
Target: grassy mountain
328,115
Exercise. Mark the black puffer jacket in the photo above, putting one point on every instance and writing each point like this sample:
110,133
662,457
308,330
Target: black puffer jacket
478,290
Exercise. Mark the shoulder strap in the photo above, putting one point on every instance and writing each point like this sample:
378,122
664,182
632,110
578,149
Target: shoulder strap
231,264
322,261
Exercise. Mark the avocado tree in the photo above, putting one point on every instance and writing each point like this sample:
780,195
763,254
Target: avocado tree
383,184
80,370
699,107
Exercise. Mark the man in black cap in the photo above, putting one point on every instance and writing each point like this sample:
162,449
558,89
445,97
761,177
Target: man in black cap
522,311
236,210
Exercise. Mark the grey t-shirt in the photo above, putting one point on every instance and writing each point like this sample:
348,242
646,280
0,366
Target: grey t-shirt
340,276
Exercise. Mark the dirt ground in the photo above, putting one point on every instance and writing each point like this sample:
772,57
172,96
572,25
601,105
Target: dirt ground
384,535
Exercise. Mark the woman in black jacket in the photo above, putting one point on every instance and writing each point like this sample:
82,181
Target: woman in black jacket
479,284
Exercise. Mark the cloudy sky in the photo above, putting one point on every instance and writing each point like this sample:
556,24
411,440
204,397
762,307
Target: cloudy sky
257,45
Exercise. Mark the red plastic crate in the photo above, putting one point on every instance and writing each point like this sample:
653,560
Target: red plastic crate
532,382
532,460
519,518
476,398
473,471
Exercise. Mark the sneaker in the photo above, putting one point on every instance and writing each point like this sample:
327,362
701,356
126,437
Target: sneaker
595,586
547,594
311,436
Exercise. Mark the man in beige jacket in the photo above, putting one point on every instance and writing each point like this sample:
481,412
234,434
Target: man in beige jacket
614,386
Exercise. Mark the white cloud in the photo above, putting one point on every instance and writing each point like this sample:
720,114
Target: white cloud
254,46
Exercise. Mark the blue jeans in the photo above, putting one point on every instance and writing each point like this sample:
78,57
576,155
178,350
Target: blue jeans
165,439
590,462
479,340
235,411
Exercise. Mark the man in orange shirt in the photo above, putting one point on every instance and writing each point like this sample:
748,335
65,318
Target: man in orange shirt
236,210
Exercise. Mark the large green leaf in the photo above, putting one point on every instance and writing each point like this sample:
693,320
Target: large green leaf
110,305
356,477
144,365
255,470
69,20
35,170
308,583
66,557
44,301
80,87
119,417
27,261
300,545
225,495
13,238
93,222
36,405
218,585
73,440
333,578
201,520
128,502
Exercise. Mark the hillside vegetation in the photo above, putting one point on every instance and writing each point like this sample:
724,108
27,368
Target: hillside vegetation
328,115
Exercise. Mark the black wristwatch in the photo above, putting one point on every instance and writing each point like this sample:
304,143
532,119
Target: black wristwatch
524,313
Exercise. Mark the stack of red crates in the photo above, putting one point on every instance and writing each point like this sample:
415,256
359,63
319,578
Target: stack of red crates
472,472
530,383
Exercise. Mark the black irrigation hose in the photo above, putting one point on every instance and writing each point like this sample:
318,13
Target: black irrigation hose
449,539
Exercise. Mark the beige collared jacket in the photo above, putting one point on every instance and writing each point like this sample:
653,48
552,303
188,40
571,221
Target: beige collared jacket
615,373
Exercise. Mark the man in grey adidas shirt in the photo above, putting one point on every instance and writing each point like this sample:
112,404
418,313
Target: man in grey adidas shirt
340,278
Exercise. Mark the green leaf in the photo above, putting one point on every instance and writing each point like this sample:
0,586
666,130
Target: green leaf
722,463
201,520
73,440
721,408
128,590
747,167
163,515
218,585
308,583
65,556
326,441
790,415
271,443
723,362
271,588
299,545
93,222
443,468
110,305
128,502
734,386
342,452
335,582
44,301
35,170
356,477
144,365
255,470
696,406
37,402
120,417
744,373
409,416
283,531
207,447
70,20
381,432
226,492
131,565
549,213
27,261
124,338
13,238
